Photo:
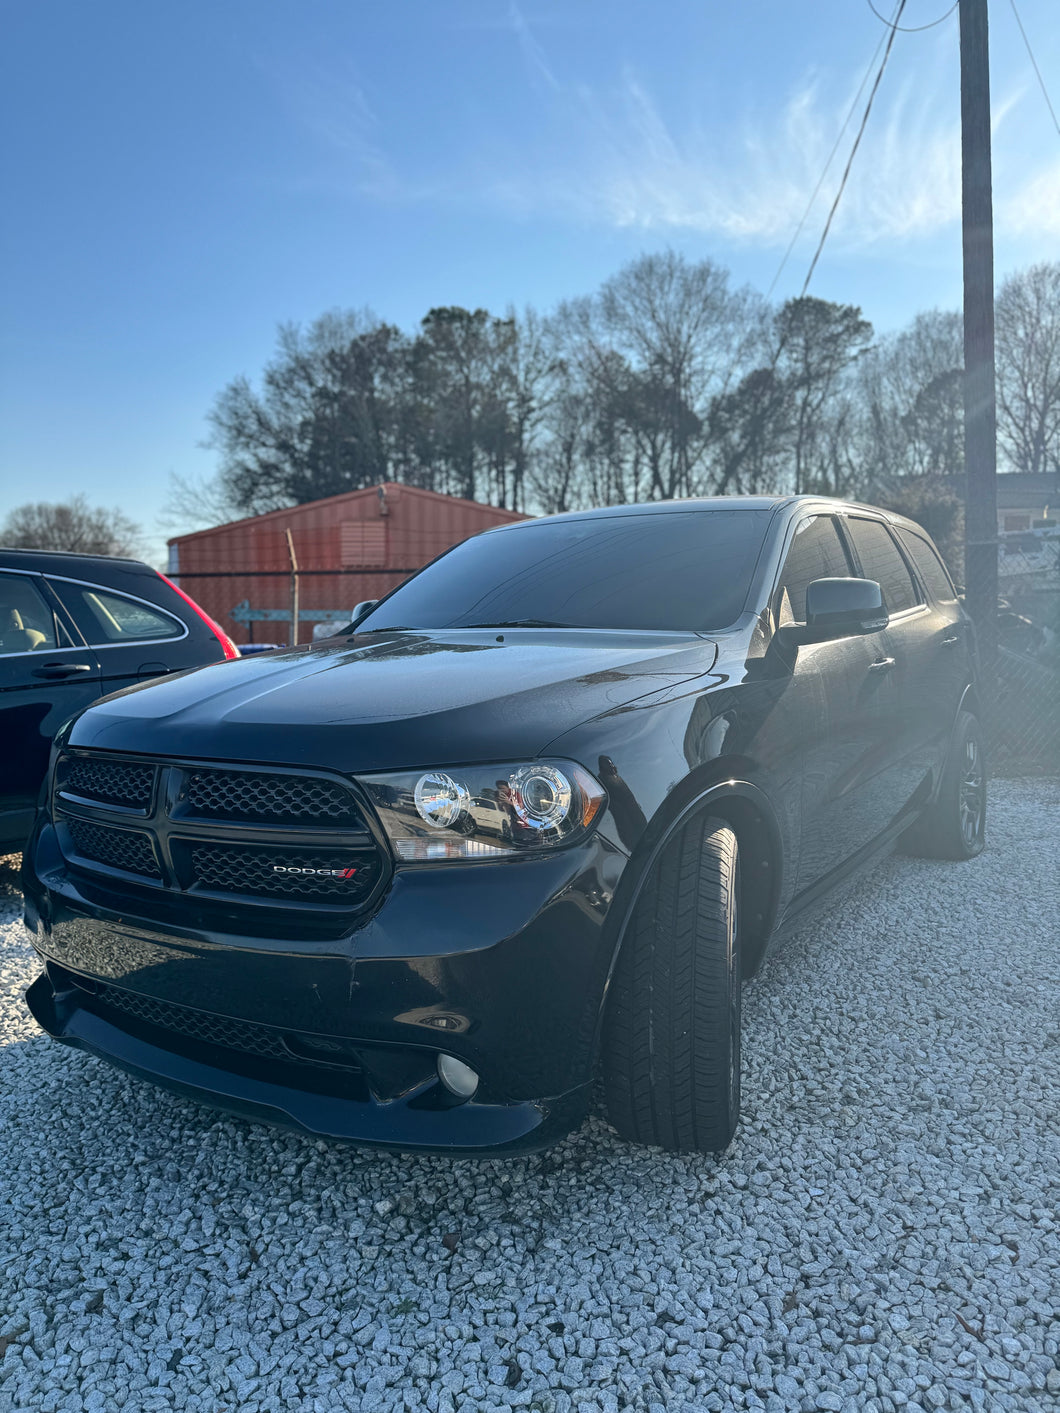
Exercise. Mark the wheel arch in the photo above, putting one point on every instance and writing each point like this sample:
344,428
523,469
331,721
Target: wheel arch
725,791
969,702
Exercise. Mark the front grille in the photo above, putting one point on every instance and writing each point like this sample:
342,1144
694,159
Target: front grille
212,837
114,782
273,871
126,849
301,799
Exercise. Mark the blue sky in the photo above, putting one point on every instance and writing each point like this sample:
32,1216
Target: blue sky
180,178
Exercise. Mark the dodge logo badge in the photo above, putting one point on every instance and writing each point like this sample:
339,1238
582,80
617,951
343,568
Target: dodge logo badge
319,872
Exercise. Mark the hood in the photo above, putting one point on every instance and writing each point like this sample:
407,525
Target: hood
404,699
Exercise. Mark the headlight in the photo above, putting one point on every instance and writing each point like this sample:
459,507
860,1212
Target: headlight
484,811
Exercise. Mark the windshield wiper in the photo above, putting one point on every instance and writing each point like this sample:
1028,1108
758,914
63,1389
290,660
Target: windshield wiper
388,628
520,623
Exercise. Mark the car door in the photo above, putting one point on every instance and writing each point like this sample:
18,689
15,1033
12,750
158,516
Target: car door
133,638
838,702
47,674
910,645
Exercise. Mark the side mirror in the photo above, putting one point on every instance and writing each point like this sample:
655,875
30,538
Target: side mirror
362,609
840,608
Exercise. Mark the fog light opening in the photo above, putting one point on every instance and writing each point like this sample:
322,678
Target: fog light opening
460,1079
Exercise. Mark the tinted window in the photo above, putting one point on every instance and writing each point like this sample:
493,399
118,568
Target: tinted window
27,624
657,570
816,553
930,566
881,561
111,618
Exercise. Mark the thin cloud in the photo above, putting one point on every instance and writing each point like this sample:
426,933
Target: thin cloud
635,170
611,157
1034,208
330,103
628,167
533,54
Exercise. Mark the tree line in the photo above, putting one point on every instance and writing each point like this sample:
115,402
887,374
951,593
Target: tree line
666,382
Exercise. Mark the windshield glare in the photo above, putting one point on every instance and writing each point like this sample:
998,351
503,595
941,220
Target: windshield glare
680,570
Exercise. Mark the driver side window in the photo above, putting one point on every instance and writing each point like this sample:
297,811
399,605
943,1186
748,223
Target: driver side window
816,552
27,624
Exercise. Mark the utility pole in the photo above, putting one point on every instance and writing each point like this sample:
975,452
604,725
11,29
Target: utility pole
980,410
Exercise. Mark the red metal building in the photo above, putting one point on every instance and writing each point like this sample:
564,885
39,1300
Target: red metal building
349,547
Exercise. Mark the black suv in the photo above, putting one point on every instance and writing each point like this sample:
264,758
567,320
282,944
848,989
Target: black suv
534,813
72,628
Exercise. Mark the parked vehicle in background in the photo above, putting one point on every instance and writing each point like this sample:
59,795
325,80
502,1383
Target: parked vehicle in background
540,808
74,627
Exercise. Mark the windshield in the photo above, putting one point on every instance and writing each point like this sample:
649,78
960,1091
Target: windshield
658,570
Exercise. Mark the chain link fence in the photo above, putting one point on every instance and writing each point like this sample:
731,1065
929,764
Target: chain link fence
276,608
1026,715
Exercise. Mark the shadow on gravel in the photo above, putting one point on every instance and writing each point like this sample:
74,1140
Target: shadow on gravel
9,867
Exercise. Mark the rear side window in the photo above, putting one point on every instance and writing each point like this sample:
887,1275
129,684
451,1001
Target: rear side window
880,560
27,624
105,618
816,552
930,566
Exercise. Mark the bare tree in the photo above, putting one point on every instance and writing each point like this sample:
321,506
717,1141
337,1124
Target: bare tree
690,336
556,482
535,380
817,341
651,350
909,389
71,525
1027,320
750,431
196,503
665,382
320,423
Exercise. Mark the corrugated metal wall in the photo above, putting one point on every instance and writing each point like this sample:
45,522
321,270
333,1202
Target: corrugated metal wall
349,547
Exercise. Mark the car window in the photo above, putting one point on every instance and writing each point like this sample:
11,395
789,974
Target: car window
880,560
816,552
657,570
112,618
27,624
930,566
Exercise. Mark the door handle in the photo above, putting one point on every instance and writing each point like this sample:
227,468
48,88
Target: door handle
949,642
61,669
882,664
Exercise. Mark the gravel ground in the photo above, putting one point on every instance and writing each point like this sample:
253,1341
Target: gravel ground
882,1235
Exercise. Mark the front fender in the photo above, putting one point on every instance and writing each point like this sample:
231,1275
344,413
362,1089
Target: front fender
654,757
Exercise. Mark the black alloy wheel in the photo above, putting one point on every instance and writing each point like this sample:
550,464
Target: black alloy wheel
954,827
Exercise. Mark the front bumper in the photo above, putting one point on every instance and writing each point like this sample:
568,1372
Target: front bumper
410,1122
503,965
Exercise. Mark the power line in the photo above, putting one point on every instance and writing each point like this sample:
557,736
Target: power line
779,349
1034,63
912,29
824,172
854,149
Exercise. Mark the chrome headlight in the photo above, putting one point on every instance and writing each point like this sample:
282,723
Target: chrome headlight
484,811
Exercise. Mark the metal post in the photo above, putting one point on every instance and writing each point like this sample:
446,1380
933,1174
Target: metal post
294,589
980,412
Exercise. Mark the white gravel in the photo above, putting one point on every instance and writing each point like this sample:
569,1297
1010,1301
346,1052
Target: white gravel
882,1235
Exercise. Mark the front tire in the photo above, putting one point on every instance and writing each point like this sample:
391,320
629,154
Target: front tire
954,827
672,1026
